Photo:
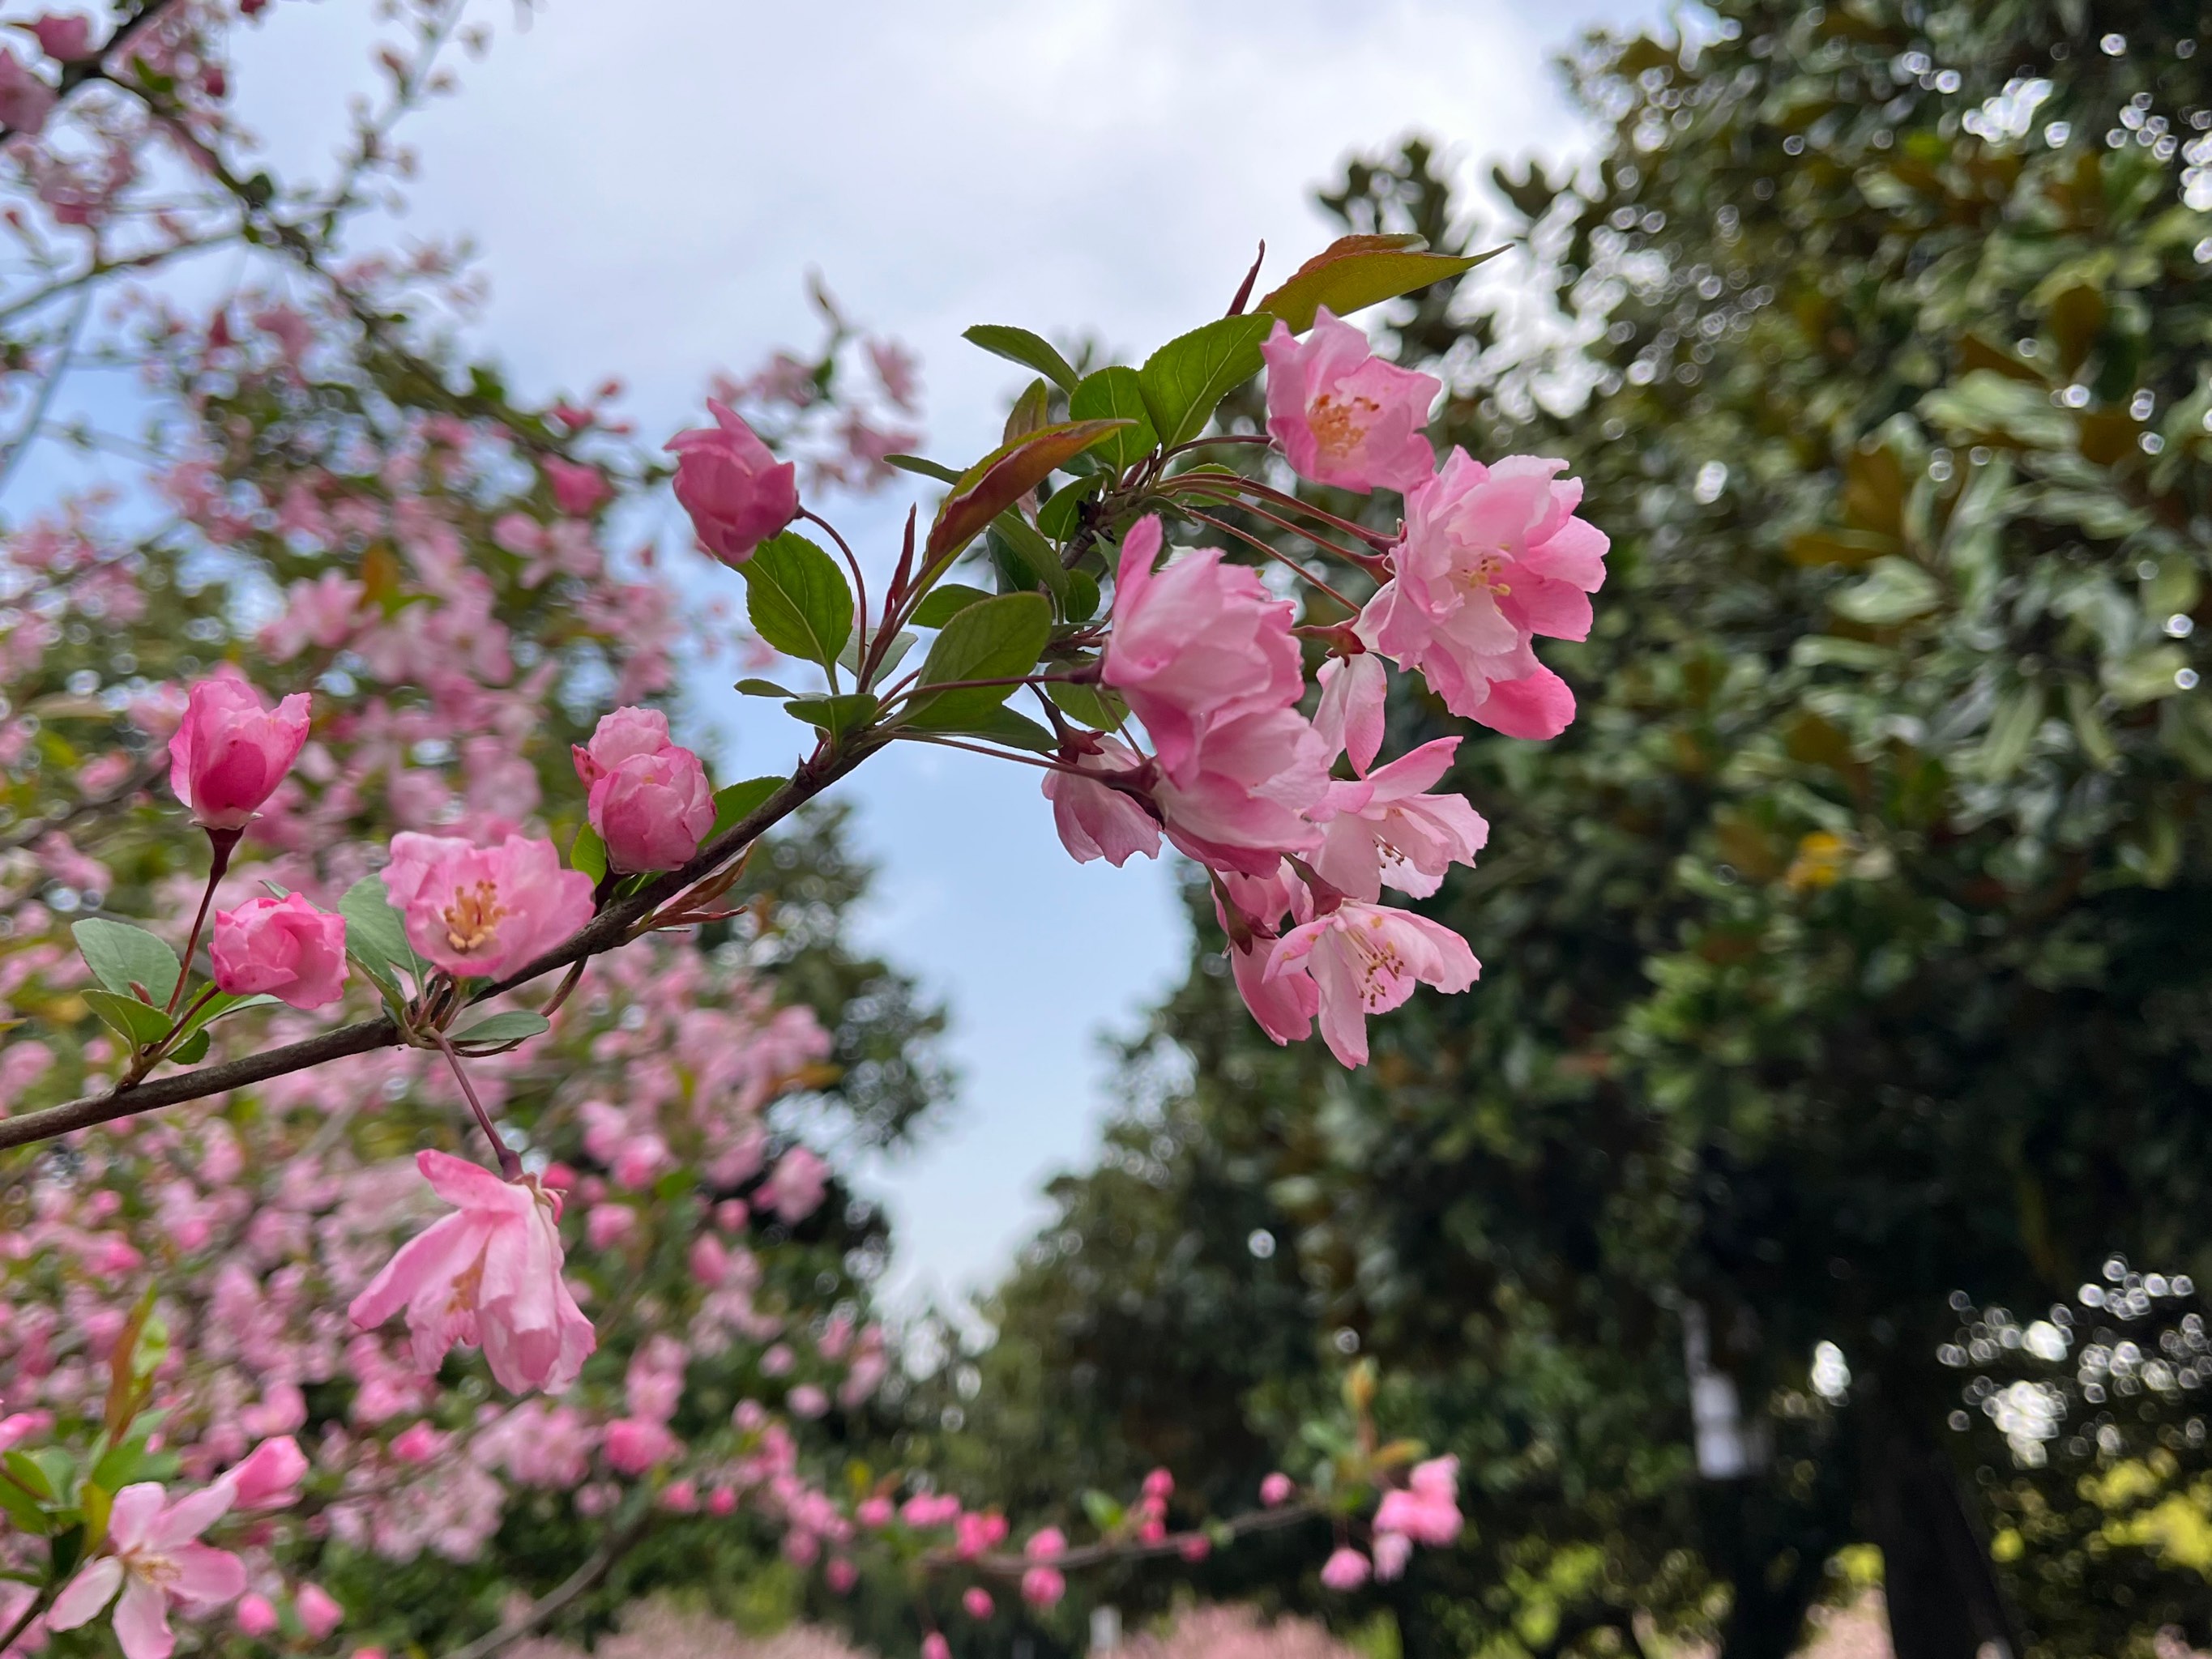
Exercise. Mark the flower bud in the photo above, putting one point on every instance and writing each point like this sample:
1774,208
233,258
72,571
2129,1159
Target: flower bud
230,753
285,947
737,492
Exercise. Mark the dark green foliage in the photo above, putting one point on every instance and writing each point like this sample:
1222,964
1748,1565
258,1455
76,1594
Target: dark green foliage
1852,949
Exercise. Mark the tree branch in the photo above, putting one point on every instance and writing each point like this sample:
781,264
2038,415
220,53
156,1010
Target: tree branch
594,1568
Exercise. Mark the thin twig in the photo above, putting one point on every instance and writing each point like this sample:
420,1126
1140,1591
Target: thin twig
1273,552
594,1568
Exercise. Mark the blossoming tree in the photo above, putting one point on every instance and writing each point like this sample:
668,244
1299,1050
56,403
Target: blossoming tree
393,1164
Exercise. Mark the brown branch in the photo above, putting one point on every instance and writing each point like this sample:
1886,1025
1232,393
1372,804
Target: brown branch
609,928
594,1568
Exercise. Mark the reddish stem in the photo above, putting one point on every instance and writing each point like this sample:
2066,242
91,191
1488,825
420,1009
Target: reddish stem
224,841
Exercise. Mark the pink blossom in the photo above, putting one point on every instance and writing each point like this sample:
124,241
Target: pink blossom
26,102
285,947
621,734
1427,1510
1350,715
841,1575
319,1610
1240,800
1492,557
875,1513
477,910
1046,1544
418,1443
1345,1569
1365,959
1385,828
653,810
634,1444
1250,908
256,1615
578,491
230,753
795,1188
975,1601
978,1531
1095,820
934,1646
1392,1551
606,1224
807,1401
1275,1490
736,491
490,1274
1342,415
1043,1587
157,1560
64,37
1197,644
268,1477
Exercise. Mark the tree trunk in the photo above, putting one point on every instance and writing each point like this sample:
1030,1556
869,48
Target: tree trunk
1944,1600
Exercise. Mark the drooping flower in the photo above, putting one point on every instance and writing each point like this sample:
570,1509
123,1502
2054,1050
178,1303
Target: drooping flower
1492,557
1343,415
1349,717
737,492
230,753
1366,959
487,1275
1345,1569
1095,820
284,947
482,910
154,1558
1387,828
1197,644
1250,909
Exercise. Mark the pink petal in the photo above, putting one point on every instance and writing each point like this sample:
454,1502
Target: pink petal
142,1621
131,1518
1536,706
84,1596
206,1577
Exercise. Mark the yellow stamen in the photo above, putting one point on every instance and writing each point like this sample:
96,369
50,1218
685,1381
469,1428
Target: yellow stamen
473,919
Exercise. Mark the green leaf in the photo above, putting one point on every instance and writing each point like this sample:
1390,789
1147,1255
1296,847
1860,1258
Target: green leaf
192,1050
30,1477
118,954
1079,603
376,936
835,715
1112,394
1354,272
739,801
1893,591
994,640
2147,675
943,604
137,1023
916,465
797,599
1018,539
1015,731
1003,477
512,1026
894,653
587,854
2006,745
1093,705
1019,345
1059,517
1185,381
759,688
1101,1511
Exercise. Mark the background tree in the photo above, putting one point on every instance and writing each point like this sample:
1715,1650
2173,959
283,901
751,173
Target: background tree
1847,953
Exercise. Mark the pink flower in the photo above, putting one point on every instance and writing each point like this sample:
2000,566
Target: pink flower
635,1445
482,910
623,734
268,1477
63,38
1350,714
1492,557
1275,1490
975,1601
1345,1569
256,1615
1365,959
1095,820
155,1559
806,1400
577,489
318,1611
230,753
1387,828
26,102
978,1531
1239,801
796,1186
934,1646
1198,643
1392,1551
1427,1511
1043,1587
1046,1544
736,491
1342,415
418,1443
283,946
653,810
840,1574
1284,1007
490,1274
875,1512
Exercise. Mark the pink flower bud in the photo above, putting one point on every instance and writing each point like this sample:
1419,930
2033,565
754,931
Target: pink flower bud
653,810
230,753
1159,1484
285,947
1046,1544
1392,1551
807,1401
1275,1490
268,1477
976,1601
721,1501
1043,1587
736,491
1194,1547
256,1615
681,1496
840,1574
1346,1570
875,1513
318,1611
418,1443
623,734
577,489
934,1646
634,1446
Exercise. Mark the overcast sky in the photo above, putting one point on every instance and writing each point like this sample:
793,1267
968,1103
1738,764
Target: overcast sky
650,181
